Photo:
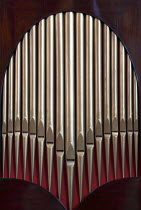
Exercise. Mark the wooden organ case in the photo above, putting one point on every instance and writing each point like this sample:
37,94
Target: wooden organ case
70,93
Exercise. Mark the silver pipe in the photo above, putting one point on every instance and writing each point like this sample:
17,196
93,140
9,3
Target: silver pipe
98,78
130,111
107,96
10,112
114,100
4,105
4,121
69,102
41,94
25,69
122,89
89,97
136,126
122,105
59,98
32,98
80,106
50,94
98,93
17,117
136,132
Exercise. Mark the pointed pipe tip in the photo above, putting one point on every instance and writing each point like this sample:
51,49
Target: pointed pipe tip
130,143
41,154
136,142
59,193
17,140
50,148
90,187
32,179
70,177
80,164
99,157
49,187
3,150
10,141
80,197
25,145
32,153
24,176
107,138
32,175
16,173
9,175
123,139
99,179
60,158
115,145
59,196
90,148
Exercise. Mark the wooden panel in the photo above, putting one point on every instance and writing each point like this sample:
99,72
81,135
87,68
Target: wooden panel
16,17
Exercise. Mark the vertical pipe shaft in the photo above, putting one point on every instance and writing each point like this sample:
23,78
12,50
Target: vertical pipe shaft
25,70
4,121
10,112
80,88
59,98
33,97
114,100
130,111
50,94
98,94
69,102
17,125
136,132
107,96
41,94
89,97
122,105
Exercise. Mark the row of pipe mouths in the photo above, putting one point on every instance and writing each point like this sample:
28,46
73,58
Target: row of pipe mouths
70,83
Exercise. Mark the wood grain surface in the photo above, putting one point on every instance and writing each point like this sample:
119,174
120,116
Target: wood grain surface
119,194
18,16
18,194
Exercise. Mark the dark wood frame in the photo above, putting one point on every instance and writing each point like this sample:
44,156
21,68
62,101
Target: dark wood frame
122,16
